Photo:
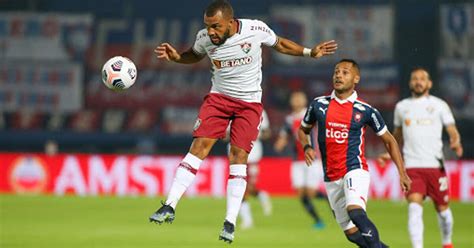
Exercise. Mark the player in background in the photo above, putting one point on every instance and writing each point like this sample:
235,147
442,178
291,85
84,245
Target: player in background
342,119
234,47
252,171
304,179
419,122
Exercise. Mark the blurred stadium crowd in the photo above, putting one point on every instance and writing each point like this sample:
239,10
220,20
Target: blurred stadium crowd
51,53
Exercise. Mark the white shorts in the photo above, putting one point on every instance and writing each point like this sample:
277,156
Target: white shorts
352,189
303,176
256,153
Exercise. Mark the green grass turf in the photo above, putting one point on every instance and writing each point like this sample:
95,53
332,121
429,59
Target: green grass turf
85,222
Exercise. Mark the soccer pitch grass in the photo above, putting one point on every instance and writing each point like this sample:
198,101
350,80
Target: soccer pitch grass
85,222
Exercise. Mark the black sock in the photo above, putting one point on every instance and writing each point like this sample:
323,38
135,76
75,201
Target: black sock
367,228
308,205
357,239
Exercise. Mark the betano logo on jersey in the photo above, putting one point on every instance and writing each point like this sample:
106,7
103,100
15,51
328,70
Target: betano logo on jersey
232,62
337,131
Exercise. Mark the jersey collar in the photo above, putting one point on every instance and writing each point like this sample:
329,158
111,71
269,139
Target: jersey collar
239,26
351,99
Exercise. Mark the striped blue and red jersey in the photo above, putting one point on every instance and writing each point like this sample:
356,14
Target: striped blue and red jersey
341,129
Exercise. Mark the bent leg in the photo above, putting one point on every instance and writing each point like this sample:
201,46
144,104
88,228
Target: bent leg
367,228
354,236
356,188
438,191
237,182
187,169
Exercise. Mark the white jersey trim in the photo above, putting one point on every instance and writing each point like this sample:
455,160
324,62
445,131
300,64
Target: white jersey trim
383,131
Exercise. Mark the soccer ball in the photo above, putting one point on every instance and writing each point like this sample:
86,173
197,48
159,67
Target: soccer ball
119,73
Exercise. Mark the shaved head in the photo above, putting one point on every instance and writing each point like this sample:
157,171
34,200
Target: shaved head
355,65
220,6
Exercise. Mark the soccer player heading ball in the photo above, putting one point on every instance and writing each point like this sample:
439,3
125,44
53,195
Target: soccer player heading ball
341,119
234,48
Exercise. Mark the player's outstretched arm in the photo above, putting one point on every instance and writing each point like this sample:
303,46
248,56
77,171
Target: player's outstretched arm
289,47
168,52
393,149
303,137
454,140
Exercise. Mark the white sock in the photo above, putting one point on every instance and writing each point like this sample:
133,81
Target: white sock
445,220
236,185
415,224
246,214
184,176
264,199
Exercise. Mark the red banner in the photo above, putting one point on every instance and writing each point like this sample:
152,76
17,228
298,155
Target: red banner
82,174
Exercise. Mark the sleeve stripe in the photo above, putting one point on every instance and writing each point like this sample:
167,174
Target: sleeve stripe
196,52
306,125
382,132
276,41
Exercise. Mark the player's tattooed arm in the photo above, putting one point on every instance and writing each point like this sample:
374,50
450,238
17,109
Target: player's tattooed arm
303,137
289,47
454,140
393,149
168,52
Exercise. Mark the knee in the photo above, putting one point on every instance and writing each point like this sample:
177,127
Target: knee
237,155
441,208
201,147
357,215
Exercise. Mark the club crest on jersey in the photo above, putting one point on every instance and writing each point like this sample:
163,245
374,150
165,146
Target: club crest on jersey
358,117
246,47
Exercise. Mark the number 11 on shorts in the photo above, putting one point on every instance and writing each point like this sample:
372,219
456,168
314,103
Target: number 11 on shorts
349,183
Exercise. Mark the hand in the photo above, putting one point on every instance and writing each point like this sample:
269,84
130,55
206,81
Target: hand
309,156
405,182
325,48
166,51
457,148
383,159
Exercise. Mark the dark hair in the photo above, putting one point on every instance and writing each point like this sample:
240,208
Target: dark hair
353,62
420,68
220,5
